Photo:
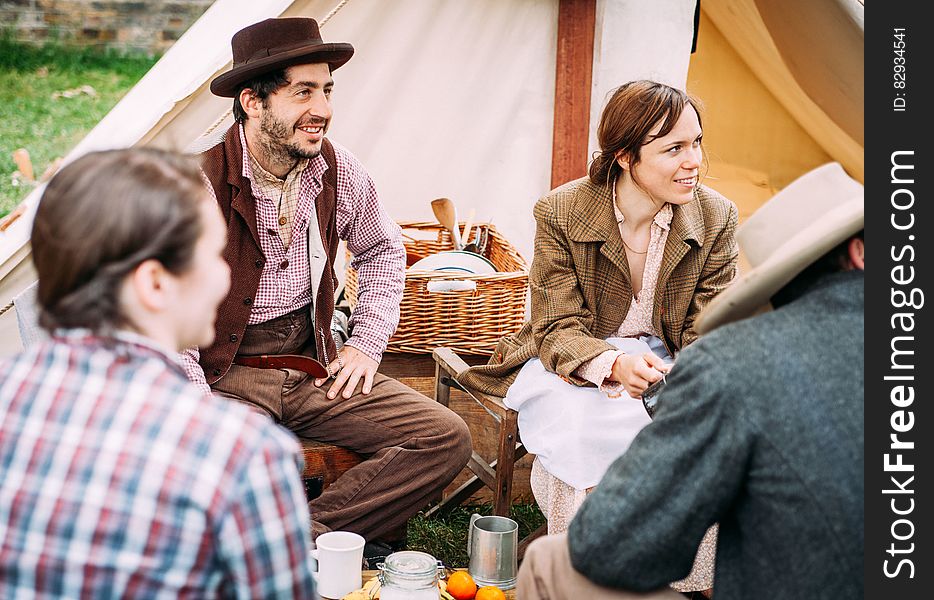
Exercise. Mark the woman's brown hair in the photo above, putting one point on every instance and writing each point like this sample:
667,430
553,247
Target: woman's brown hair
99,218
631,113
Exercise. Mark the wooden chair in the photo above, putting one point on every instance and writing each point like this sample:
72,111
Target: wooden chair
324,463
496,475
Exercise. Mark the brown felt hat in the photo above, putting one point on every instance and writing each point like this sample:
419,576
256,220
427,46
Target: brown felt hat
275,44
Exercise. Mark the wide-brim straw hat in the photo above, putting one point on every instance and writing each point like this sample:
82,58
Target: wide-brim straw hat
797,226
276,44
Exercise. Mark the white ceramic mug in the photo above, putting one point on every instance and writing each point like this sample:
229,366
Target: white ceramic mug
340,563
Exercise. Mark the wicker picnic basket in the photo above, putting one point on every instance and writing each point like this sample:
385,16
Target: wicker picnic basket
470,322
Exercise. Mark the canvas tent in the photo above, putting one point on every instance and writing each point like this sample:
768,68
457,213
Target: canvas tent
458,99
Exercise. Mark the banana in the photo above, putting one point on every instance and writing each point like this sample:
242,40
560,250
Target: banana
371,587
443,588
369,591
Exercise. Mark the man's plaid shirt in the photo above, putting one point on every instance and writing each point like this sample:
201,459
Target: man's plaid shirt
119,478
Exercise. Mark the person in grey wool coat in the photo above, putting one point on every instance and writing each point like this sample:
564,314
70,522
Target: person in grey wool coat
760,428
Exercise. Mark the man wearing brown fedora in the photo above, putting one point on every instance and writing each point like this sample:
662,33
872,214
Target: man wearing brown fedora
759,428
289,196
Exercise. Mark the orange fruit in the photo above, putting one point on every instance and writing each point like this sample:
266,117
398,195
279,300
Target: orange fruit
461,585
490,592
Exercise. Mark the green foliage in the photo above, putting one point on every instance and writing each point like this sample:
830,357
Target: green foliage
445,537
17,56
48,127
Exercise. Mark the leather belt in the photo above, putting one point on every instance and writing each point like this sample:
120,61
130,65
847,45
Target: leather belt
284,361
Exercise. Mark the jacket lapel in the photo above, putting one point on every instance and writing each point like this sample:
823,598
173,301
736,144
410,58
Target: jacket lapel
593,221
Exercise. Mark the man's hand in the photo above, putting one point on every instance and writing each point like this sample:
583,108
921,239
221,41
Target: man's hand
357,365
636,372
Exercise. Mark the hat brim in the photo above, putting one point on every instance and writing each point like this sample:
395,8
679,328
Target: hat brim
753,289
334,54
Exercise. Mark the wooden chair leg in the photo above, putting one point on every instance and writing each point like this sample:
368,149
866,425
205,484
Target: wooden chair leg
524,544
502,494
498,474
456,498
442,390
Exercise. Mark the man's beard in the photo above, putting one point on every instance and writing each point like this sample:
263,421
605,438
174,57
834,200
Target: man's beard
276,144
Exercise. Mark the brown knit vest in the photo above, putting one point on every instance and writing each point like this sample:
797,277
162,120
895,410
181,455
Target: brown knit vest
223,166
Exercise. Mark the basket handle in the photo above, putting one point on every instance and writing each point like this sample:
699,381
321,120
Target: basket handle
451,285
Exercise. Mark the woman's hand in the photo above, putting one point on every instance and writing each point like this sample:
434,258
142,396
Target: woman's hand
636,372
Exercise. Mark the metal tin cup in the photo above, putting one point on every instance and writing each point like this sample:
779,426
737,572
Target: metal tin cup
492,543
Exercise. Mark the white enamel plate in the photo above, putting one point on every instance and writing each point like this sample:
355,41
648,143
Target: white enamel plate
455,261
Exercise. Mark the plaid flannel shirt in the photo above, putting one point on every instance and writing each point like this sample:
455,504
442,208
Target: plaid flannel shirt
118,478
372,237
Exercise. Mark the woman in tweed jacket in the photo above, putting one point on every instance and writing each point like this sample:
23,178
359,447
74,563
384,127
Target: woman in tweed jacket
625,260
580,279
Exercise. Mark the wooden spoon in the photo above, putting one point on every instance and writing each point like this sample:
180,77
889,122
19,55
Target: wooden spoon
446,213
465,237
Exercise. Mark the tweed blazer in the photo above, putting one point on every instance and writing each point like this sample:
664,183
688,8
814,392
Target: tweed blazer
580,281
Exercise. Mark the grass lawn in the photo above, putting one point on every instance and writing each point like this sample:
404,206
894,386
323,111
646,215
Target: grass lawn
49,127
445,538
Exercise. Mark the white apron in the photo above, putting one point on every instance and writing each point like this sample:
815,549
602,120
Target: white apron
577,432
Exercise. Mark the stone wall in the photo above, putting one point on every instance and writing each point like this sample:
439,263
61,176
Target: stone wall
135,25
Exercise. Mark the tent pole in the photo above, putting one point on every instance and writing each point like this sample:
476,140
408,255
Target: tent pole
573,77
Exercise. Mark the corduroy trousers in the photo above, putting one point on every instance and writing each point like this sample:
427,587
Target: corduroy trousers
414,446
